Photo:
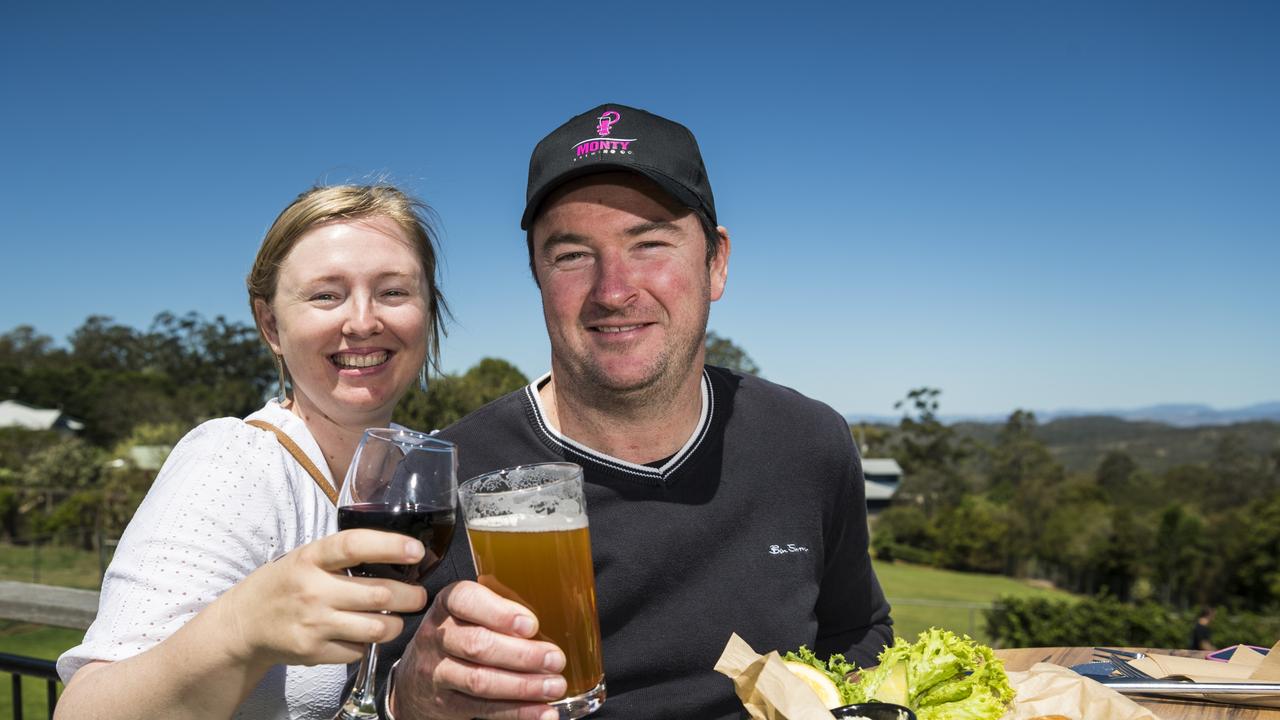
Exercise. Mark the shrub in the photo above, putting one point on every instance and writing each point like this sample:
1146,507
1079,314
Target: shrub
1039,622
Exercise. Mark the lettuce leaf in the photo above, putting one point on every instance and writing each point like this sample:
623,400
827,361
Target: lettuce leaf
938,656
836,668
978,706
888,681
941,676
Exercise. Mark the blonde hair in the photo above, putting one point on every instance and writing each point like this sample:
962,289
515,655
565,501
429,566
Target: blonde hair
320,205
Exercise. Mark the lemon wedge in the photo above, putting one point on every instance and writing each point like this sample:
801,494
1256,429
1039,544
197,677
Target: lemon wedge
827,691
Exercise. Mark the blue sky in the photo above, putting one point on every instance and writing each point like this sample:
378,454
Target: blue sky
1026,204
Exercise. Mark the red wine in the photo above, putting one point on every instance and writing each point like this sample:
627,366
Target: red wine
432,525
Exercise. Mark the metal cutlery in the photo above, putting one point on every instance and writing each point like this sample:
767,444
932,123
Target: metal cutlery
1129,670
1116,660
1182,687
1122,653
1132,680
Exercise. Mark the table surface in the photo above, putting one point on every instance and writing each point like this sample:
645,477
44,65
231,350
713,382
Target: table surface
1167,709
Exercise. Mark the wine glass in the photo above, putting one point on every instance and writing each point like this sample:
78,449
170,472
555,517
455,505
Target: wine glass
404,482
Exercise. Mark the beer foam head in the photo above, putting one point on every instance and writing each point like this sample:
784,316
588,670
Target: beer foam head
528,522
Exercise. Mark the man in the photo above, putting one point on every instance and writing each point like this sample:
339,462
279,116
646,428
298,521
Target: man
1201,633
718,502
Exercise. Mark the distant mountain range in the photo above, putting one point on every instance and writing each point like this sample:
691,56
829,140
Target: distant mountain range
1176,415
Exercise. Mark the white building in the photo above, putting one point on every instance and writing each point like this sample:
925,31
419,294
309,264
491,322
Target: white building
882,477
16,414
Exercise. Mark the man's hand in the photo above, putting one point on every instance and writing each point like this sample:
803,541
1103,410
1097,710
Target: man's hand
472,657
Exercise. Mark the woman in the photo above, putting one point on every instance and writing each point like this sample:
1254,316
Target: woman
227,595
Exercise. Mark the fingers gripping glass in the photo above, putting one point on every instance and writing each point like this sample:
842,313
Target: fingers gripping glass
403,482
530,543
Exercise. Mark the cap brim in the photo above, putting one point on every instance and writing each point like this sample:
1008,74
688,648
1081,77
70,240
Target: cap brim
673,188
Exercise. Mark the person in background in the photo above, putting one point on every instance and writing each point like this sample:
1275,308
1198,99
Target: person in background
227,595
718,502
1201,633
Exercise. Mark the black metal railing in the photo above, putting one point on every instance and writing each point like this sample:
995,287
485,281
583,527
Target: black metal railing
19,666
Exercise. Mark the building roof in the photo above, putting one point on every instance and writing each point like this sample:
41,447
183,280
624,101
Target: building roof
149,457
881,466
880,491
16,414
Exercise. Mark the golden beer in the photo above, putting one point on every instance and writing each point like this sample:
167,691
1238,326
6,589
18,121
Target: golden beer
530,544
548,571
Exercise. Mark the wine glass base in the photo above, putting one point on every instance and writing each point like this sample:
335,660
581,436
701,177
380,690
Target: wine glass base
359,707
353,712
581,705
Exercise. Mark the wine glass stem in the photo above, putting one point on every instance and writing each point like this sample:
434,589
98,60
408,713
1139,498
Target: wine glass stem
362,702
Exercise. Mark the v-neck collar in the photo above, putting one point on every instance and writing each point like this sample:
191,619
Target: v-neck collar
556,439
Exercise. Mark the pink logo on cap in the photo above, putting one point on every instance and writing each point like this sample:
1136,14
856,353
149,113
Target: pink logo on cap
596,146
606,122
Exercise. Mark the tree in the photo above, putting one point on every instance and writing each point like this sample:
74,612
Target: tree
1115,474
183,369
1187,483
924,440
1236,475
17,448
1180,556
872,440
62,481
226,370
1120,560
450,397
974,536
1025,475
491,378
1248,543
1020,459
24,348
101,344
930,453
1067,543
903,532
722,352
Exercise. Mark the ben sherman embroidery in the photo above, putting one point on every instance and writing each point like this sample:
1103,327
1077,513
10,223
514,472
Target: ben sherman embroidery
787,549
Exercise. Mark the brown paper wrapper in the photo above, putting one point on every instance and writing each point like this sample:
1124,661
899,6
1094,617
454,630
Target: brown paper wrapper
767,689
1048,689
1246,665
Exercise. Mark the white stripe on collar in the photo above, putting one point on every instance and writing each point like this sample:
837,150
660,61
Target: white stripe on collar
695,438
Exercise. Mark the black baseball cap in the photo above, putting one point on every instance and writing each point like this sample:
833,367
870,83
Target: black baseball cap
614,137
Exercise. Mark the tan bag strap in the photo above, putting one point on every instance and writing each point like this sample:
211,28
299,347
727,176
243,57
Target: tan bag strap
301,457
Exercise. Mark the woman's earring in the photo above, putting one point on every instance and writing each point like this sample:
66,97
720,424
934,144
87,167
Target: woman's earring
422,378
282,395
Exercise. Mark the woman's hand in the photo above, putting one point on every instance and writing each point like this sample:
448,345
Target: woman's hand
472,657
303,609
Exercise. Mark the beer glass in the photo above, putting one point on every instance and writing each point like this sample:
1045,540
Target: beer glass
529,542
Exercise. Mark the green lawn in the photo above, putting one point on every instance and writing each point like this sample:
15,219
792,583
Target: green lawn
50,565
923,597
33,641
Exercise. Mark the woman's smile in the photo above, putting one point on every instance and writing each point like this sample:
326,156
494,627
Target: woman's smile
360,359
